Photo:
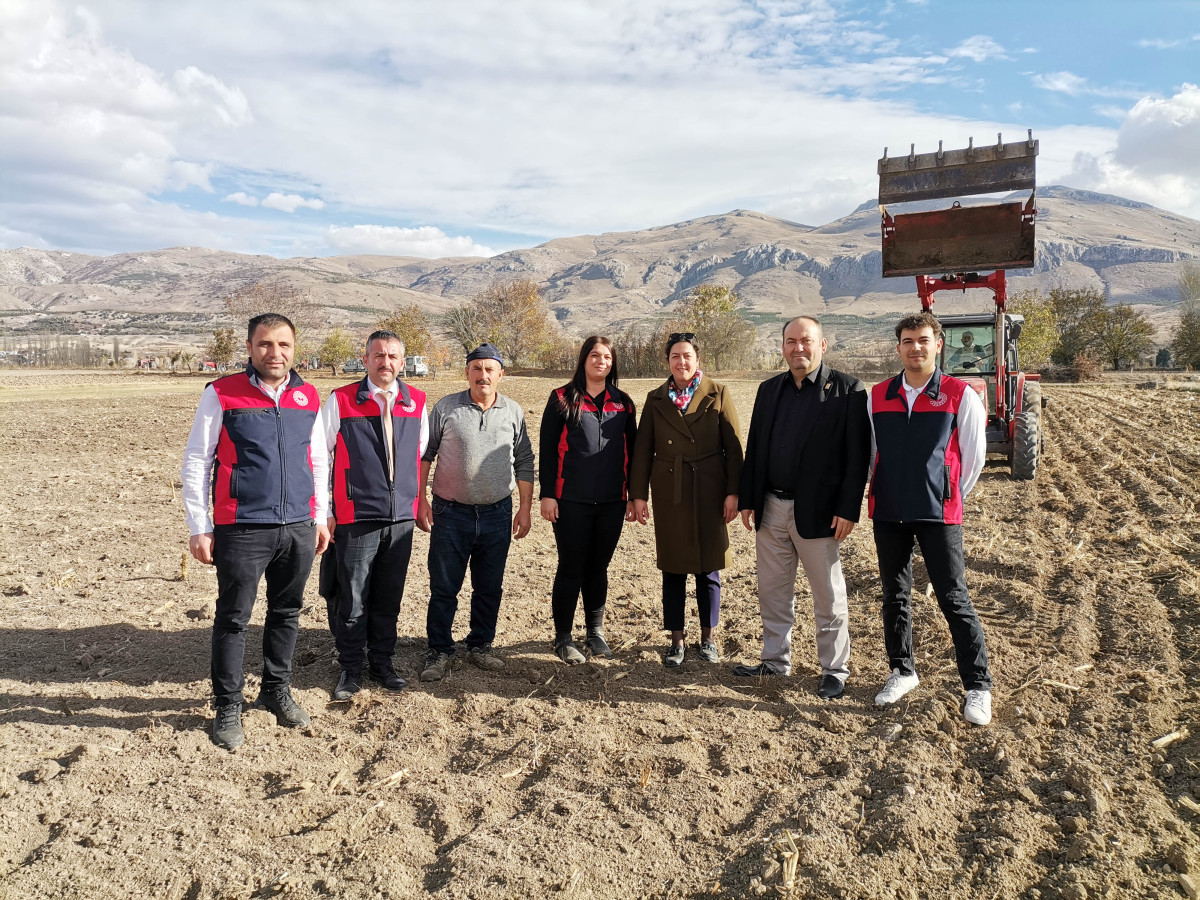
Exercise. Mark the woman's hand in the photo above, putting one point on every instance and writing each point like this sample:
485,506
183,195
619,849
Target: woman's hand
641,512
548,509
731,502
630,516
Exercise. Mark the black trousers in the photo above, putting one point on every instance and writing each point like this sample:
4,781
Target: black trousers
586,535
942,547
372,566
243,555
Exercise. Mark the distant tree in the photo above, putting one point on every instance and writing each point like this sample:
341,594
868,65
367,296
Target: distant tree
559,353
223,346
710,311
185,358
412,325
275,296
516,318
336,349
467,326
1185,343
640,348
1162,359
1039,336
1081,315
1126,335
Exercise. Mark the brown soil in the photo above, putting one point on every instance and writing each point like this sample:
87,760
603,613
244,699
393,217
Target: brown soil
611,779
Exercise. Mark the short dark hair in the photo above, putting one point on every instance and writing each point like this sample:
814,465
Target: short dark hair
917,321
384,336
268,320
681,337
813,319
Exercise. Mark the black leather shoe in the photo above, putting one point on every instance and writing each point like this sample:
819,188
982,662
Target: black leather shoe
387,679
227,727
762,669
348,685
830,688
287,711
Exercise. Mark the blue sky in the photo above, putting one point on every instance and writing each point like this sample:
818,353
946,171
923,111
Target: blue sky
312,128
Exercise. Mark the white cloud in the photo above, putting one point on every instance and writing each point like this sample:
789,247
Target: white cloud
979,48
388,240
1161,136
1063,82
289,203
241,198
1167,43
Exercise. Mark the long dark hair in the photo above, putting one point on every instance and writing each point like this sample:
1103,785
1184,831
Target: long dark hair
577,386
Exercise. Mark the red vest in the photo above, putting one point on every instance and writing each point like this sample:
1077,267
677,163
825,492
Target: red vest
362,490
262,469
917,457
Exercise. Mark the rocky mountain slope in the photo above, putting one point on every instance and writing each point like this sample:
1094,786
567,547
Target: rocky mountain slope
1129,250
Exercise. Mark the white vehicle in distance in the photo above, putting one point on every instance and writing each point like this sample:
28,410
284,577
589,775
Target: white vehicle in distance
415,366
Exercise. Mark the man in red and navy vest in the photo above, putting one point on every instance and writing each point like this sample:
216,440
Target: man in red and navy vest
375,431
928,448
250,445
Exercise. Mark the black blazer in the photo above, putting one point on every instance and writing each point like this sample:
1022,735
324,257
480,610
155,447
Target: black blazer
832,460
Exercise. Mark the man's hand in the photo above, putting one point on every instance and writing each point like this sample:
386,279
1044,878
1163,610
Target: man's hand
748,519
521,523
731,501
842,528
641,512
201,547
548,509
424,515
324,536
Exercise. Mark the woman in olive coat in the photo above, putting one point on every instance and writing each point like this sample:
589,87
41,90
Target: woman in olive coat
688,457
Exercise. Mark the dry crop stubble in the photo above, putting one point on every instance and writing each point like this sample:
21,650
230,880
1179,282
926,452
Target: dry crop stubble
615,777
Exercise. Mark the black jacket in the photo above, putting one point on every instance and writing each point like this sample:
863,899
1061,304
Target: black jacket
831,460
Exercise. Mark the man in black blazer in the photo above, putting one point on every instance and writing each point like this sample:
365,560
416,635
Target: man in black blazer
807,456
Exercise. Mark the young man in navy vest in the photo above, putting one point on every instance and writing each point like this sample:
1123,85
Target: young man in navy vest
375,430
928,448
250,444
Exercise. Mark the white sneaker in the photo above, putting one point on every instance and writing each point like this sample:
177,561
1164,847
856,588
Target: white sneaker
977,709
897,686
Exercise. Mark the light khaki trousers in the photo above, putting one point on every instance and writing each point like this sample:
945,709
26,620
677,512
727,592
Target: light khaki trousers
779,548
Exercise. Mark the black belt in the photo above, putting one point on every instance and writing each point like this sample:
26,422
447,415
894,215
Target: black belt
783,495
455,503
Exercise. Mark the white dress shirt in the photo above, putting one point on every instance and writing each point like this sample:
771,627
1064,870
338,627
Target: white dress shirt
330,422
972,434
196,475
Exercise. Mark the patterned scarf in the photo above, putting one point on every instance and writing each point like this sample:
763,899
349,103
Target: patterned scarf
681,398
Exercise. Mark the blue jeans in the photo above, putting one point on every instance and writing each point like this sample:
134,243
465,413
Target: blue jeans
462,535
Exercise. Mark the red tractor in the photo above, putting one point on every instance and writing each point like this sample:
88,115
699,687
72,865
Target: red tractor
946,248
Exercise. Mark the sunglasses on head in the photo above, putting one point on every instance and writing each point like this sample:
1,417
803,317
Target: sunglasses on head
681,336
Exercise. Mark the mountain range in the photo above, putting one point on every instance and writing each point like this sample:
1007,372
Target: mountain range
1130,251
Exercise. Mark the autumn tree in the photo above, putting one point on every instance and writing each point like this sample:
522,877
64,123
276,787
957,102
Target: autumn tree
222,346
337,348
275,296
710,311
1185,344
1080,315
1126,335
412,326
466,325
1039,335
516,318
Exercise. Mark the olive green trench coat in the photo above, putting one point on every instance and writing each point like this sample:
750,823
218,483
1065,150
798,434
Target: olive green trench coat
687,464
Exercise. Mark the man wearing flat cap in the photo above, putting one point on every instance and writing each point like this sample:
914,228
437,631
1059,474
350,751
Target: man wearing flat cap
483,451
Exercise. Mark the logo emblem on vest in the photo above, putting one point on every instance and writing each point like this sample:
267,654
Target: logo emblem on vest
410,406
300,398
940,400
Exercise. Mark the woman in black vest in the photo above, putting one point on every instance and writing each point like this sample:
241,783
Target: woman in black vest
586,442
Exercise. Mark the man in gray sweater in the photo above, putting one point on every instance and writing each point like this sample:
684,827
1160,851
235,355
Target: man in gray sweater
482,449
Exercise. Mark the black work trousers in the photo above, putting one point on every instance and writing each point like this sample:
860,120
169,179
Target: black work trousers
372,566
243,555
586,535
942,548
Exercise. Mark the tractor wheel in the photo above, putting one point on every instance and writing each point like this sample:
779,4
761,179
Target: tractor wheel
1027,444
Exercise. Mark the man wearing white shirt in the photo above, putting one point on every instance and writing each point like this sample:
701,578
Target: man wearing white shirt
373,433
928,446
249,451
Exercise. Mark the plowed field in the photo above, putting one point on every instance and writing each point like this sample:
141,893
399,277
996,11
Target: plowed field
610,779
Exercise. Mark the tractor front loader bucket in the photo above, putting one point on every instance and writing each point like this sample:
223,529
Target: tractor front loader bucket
960,238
